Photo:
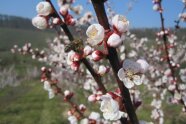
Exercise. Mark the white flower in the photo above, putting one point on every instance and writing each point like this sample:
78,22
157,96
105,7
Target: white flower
114,40
64,9
95,116
40,22
70,57
177,95
92,98
171,87
73,120
120,23
155,114
44,8
156,103
82,107
144,65
102,70
47,85
129,73
96,34
84,121
51,93
78,9
110,108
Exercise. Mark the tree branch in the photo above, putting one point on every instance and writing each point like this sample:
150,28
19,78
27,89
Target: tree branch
115,63
65,28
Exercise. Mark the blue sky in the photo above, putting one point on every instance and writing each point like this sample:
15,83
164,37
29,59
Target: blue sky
141,14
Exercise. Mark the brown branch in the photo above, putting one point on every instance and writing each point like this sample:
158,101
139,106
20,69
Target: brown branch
65,28
115,63
165,44
72,104
173,73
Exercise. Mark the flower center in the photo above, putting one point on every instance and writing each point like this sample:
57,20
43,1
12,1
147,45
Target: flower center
123,19
129,74
93,32
41,6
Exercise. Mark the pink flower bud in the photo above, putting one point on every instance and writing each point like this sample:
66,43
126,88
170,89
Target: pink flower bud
102,70
75,66
82,107
76,57
92,98
120,23
87,50
43,69
50,70
67,93
97,55
63,10
98,97
114,40
69,113
72,22
156,7
56,21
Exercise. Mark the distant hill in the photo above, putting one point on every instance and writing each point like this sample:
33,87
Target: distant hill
15,22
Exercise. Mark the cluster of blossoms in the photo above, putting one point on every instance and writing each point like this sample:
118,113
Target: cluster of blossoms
45,10
97,34
28,50
159,77
182,16
67,55
41,21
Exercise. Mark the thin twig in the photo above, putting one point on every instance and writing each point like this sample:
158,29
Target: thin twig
65,28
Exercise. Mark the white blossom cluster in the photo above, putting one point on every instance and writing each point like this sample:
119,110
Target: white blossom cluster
140,62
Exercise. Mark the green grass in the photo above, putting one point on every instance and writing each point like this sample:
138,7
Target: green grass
29,104
10,37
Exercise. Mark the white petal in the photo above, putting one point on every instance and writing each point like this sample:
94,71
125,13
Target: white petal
121,74
137,80
131,65
128,83
144,65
